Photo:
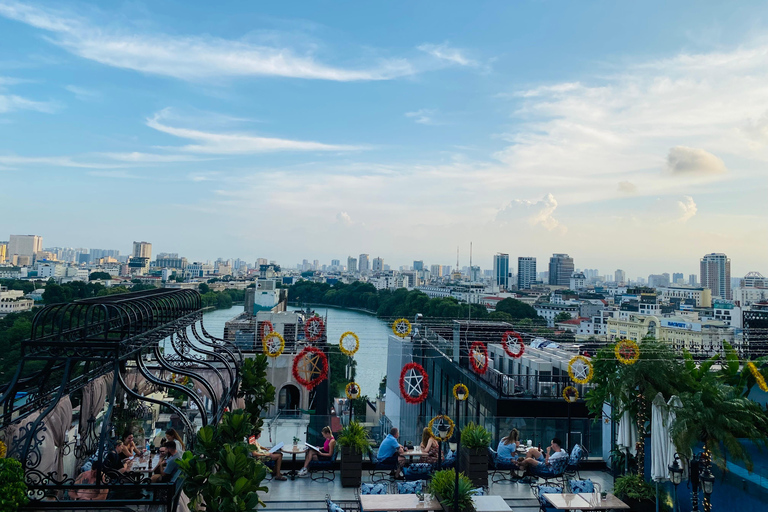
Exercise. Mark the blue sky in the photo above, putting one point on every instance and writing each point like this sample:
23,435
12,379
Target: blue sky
628,135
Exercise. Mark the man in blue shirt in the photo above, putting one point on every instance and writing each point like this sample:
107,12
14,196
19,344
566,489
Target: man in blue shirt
389,447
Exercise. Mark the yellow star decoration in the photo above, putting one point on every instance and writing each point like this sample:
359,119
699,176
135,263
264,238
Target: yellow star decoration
627,351
273,344
401,327
346,341
433,427
580,369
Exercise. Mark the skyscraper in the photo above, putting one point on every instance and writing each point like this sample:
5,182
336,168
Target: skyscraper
436,271
678,278
142,250
620,276
363,264
501,270
715,272
560,270
25,245
378,265
336,264
351,264
418,265
526,272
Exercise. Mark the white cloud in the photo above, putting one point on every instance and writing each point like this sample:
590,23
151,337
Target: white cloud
422,116
344,219
11,102
627,187
538,213
446,53
687,208
82,93
187,58
683,160
237,143
150,158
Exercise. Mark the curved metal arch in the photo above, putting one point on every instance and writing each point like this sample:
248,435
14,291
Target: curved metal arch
222,347
151,378
166,365
182,334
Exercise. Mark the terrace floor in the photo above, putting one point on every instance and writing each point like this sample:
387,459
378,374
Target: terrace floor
303,494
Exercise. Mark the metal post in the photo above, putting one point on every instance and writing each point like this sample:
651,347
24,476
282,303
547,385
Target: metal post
458,449
351,402
694,476
568,434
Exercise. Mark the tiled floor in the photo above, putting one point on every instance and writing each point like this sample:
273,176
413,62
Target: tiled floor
306,495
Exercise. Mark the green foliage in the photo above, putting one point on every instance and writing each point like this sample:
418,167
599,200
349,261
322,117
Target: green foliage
517,309
99,275
255,389
354,436
562,317
475,437
203,288
360,405
13,489
443,484
634,487
337,370
220,472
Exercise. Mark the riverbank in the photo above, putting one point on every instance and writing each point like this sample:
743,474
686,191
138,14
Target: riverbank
334,306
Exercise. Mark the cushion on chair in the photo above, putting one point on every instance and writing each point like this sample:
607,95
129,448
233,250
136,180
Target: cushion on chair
548,489
576,454
373,489
477,491
410,487
417,471
578,486
332,507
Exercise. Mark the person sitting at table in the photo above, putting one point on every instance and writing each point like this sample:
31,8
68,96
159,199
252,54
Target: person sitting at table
89,478
554,452
430,447
170,463
263,453
163,455
114,461
172,435
505,452
324,454
390,448
128,448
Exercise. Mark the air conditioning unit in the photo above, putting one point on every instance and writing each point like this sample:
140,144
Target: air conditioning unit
547,389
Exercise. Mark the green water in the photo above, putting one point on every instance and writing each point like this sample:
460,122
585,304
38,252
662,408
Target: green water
373,333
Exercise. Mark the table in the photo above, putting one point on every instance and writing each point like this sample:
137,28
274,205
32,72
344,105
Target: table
293,450
490,504
397,502
145,464
584,501
416,452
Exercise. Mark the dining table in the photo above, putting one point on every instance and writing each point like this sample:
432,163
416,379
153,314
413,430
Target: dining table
585,501
397,502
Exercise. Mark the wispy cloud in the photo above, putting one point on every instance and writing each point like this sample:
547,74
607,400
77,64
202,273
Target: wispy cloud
11,102
83,94
187,57
238,143
446,53
423,116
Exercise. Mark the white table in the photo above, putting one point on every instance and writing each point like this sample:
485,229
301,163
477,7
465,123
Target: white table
584,501
490,504
397,502
416,452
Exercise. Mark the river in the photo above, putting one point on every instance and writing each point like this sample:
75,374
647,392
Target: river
373,333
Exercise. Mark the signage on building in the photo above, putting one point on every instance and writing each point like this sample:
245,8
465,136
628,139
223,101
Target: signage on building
676,324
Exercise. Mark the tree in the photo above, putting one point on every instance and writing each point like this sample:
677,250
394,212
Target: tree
337,371
516,309
203,288
500,316
562,317
99,275
55,294
255,389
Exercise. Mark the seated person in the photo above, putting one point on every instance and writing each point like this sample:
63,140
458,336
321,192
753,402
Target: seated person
324,454
505,452
158,469
391,448
430,447
89,478
554,452
263,453
128,448
114,461
170,463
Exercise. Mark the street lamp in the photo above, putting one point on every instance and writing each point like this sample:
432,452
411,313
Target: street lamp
707,485
699,475
676,476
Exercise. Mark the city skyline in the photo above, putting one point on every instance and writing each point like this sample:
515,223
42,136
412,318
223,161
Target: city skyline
411,135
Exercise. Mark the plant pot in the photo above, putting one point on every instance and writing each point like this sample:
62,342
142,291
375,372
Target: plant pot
474,464
636,505
351,467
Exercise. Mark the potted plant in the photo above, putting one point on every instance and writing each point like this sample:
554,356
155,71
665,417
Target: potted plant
296,443
475,441
442,486
633,490
13,488
353,441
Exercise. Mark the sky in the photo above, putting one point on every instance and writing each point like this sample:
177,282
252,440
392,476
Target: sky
628,135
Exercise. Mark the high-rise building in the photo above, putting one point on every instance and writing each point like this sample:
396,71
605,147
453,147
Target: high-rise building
678,278
351,264
418,265
335,263
658,280
501,270
436,270
315,264
363,264
142,250
620,276
25,245
526,272
3,251
692,280
560,270
378,265
715,272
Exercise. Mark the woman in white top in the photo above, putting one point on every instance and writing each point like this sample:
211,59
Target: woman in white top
172,435
508,445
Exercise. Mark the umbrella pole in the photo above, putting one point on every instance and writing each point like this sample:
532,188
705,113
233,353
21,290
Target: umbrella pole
657,496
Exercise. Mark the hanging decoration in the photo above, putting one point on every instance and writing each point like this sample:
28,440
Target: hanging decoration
758,376
478,356
401,327
460,392
627,351
513,344
352,390
570,394
349,343
441,427
580,369
266,328
314,328
414,383
273,344
310,367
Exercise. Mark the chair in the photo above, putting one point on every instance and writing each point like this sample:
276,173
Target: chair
341,506
578,453
499,467
583,486
552,473
418,471
414,487
323,470
386,467
540,491
367,489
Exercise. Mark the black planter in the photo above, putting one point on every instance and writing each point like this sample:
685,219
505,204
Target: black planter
351,467
474,464
640,505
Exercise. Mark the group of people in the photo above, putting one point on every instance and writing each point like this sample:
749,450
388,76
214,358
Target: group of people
507,452
120,459
324,453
